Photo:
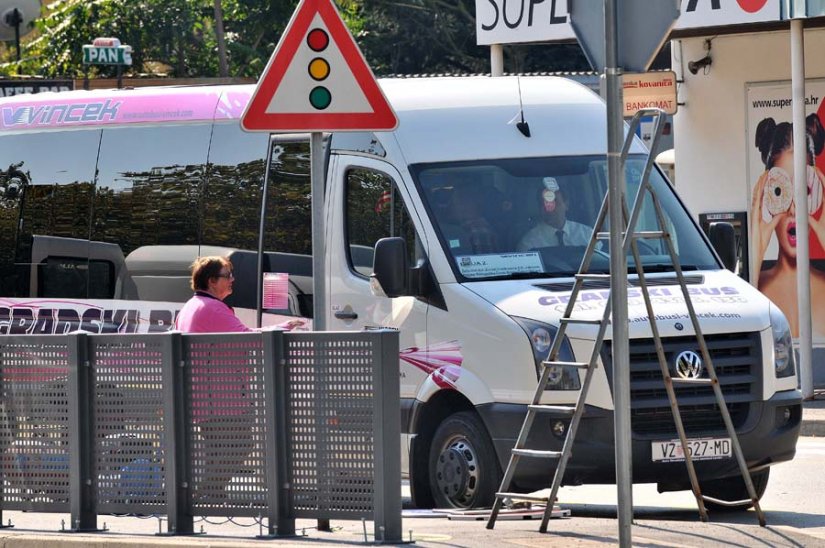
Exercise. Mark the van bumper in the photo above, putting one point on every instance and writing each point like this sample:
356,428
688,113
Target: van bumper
766,438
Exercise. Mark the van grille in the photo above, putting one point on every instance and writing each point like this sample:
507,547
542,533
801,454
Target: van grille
737,358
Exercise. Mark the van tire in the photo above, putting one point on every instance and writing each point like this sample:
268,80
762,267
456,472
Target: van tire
733,489
464,471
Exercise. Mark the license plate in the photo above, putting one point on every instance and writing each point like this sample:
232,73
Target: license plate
699,448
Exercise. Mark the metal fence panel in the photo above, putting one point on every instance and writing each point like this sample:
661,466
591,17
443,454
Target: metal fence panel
330,423
34,432
225,392
128,423
269,425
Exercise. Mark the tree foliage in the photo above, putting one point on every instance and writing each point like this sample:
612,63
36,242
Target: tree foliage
178,37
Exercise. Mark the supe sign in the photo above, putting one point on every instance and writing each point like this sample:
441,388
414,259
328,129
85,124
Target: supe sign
514,21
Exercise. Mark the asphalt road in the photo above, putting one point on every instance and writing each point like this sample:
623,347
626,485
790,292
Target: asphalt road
794,505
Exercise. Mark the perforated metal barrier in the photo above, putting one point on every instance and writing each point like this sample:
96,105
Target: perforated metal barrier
272,425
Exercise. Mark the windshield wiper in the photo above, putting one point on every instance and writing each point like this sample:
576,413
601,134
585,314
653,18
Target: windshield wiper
529,275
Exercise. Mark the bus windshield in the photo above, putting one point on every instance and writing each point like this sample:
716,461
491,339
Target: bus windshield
533,217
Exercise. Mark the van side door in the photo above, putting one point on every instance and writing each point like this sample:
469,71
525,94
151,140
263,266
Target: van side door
369,203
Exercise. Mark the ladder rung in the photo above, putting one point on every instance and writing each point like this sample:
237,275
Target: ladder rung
535,453
521,496
694,382
582,321
650,234
553,409
727,503
641,234
578,365
586,276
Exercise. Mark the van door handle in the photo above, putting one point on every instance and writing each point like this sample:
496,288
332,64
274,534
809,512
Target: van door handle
346,315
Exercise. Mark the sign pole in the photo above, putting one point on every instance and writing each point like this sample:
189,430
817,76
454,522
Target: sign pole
316,97
319,307
800,164
618,275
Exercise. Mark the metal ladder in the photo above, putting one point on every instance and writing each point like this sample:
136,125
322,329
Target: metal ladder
553,362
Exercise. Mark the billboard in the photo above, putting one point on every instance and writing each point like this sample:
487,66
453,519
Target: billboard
772,210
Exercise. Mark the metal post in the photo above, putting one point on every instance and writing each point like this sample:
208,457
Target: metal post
16,19
800,166
82,477
497,60
8,402
286,521
387,428
278,521
319,300
261,231
175,443
618,276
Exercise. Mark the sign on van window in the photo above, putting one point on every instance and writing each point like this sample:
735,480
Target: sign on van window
515,21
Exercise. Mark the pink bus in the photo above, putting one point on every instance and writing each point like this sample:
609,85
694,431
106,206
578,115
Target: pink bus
106,197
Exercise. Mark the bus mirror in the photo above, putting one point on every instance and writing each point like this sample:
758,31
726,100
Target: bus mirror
390,268
723,239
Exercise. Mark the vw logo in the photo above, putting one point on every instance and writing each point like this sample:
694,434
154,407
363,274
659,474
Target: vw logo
689,365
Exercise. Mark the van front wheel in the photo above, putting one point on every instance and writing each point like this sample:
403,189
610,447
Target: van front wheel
464,471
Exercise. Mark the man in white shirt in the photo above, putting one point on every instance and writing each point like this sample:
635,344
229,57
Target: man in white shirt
554,229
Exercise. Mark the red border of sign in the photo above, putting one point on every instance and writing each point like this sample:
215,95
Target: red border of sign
255,117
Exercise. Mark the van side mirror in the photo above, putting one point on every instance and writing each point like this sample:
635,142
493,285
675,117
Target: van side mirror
390,268
723,239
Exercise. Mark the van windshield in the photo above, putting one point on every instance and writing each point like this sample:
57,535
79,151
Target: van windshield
533,217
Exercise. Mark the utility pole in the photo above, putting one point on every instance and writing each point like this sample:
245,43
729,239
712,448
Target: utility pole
223,65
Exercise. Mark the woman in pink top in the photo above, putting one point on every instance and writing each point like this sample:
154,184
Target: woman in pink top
220,406
205,312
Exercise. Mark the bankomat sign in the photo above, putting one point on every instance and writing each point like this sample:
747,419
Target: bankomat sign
514,21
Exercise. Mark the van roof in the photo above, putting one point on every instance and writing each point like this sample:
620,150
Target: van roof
440,118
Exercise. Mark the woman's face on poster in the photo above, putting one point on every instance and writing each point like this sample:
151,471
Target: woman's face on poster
786,229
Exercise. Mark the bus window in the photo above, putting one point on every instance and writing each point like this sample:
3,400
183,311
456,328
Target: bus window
46,181
231,205
231,212
149,187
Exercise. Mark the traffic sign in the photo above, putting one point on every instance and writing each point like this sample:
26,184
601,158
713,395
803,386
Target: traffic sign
643,26
317,80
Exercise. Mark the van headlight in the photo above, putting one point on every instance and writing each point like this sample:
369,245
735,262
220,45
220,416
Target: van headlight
541,338
783,356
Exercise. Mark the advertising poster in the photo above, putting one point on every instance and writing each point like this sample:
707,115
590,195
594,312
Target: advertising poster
772,208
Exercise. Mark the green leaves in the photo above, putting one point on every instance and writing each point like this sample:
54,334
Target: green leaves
178,38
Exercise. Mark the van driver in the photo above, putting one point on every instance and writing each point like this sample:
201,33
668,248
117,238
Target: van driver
554,229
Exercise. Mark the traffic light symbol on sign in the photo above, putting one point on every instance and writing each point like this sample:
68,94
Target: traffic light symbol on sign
320,96
317,80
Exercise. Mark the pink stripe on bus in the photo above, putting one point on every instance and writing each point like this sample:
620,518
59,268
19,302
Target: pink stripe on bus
63,110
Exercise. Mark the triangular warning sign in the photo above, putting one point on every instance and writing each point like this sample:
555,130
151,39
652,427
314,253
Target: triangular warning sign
317,80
